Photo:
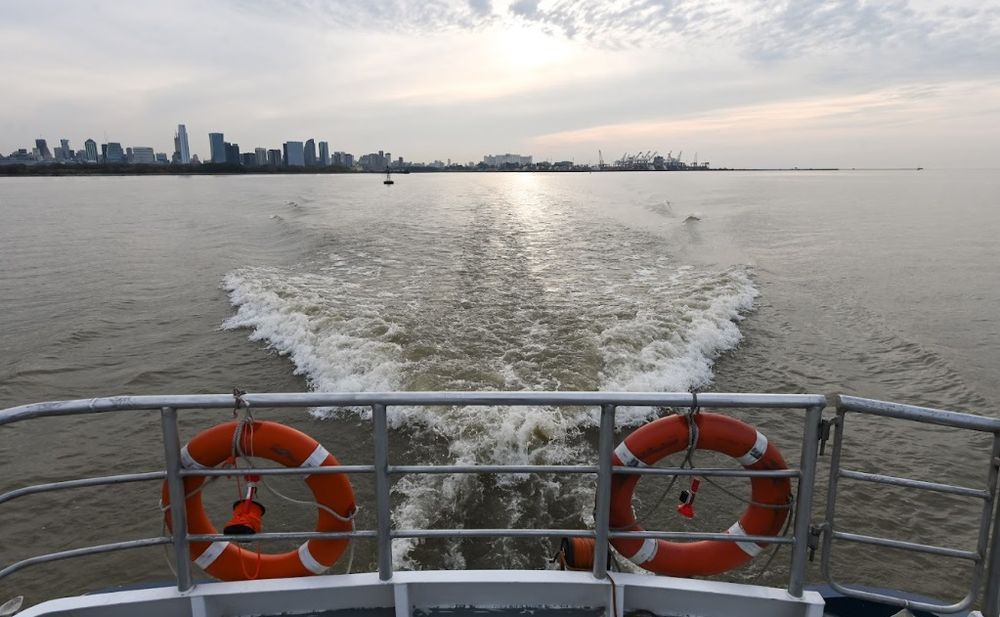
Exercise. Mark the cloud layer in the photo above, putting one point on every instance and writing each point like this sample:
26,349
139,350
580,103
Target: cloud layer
556,78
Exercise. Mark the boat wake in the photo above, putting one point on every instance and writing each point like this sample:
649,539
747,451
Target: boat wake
498,307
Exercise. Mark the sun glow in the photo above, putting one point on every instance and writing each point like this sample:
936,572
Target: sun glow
528,48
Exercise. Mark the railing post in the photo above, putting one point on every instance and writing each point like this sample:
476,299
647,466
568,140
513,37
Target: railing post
602,514
803,500
991,603
175,486
383,505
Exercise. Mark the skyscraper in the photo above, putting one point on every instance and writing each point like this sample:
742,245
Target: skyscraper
217,144
324,154
91,147
232,153
115,154
294,154
261,155
43,150
274,157
181,146
67,152
310,153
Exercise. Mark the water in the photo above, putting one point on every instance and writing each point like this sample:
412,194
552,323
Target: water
872,283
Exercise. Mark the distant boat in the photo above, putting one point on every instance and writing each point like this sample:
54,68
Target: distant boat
388,177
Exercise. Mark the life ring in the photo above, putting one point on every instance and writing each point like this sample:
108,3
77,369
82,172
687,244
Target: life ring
669,435
291,448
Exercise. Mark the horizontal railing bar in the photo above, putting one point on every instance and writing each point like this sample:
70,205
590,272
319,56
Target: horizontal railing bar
499,469
911,605
918,484
707,471
684,535
81,552
927,415
490,533
276,536
496,469
354,399
82,482
907,546
279,471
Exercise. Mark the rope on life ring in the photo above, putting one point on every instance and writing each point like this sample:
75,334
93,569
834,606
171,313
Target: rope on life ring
765,515
284,445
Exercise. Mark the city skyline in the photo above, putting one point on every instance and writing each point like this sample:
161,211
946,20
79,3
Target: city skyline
804,82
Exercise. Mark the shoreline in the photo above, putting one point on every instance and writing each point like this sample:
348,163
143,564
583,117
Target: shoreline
35,171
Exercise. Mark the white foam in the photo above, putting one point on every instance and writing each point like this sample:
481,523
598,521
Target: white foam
355,324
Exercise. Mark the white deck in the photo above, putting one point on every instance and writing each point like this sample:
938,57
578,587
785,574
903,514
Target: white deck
421,591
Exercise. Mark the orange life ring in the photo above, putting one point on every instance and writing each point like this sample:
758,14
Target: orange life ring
669,435
291,448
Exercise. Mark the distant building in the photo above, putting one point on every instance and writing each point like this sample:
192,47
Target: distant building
141,155
501,160
43,150
181,148
374,162
274,157
91,148
67,152
260,155
248,159
113,152
217,144
128,155
324,154
232,153
348,160
294,154
310,153
162,159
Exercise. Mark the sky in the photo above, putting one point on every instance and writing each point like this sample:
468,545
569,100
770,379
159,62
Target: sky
753,83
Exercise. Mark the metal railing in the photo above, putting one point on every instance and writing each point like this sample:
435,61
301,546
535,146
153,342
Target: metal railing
384,533
813,405
978,557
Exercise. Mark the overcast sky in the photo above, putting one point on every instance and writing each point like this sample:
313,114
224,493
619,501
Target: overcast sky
754,83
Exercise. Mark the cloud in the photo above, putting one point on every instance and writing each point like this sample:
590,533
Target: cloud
443,78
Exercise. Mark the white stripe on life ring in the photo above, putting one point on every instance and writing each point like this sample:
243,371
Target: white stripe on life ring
627,458
210,554
316,458
646,552
188,462
755,453
750,548
309,561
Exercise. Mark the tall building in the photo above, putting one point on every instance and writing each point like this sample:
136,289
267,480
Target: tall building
248,159
114,153
310,153
181,147
274,157
43,150
294,154
324,154
142,155
67,152
232,153
348,160
217,144
260,154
